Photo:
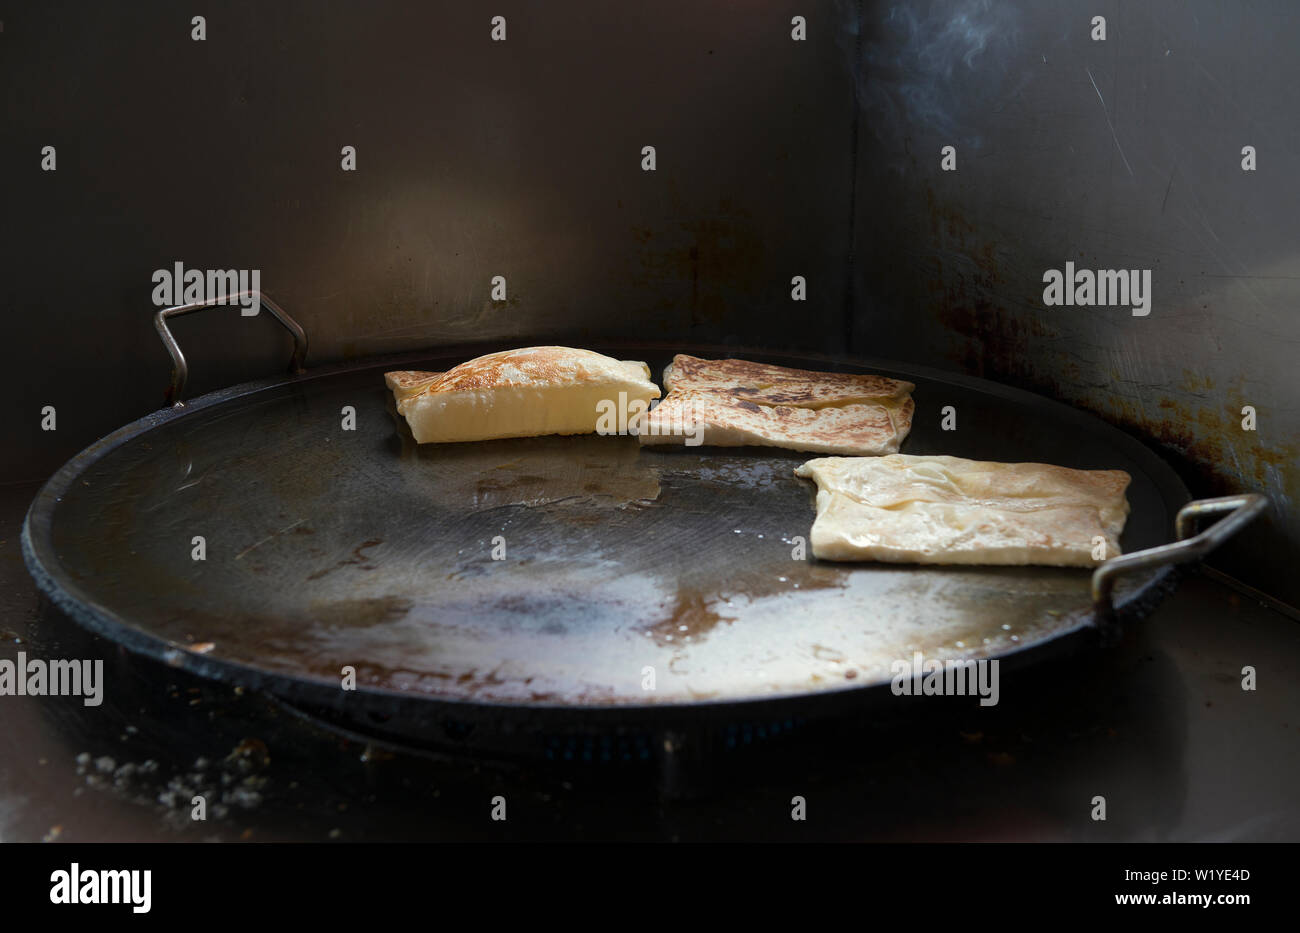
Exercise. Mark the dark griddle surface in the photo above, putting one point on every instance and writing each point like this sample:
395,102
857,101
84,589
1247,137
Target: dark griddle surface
328,548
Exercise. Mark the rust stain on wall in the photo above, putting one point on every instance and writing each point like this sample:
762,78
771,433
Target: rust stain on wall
1190,415
1222,456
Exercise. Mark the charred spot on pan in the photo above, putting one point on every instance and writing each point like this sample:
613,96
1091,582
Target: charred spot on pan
692,616
358,559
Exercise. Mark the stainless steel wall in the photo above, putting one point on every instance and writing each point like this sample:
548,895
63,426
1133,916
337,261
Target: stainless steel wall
1115,154
474,159
775,158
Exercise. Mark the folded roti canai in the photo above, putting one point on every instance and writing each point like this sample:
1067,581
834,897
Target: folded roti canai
524,393
946,510
732,403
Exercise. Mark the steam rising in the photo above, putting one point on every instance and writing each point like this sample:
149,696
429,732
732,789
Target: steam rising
917,57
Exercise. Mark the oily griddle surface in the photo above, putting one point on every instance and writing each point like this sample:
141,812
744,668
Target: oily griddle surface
328,548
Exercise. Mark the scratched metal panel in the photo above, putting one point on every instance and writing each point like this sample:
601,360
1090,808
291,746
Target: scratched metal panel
474,158
1119,154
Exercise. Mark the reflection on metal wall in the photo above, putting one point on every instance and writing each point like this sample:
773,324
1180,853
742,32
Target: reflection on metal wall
1115,154
775,158
474,159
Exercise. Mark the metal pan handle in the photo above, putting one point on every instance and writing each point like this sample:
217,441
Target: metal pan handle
181,372
1240,510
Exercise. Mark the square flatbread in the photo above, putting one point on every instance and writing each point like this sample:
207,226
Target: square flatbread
527,392
946,510
732,403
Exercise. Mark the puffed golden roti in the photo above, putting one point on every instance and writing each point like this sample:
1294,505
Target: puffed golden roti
522,393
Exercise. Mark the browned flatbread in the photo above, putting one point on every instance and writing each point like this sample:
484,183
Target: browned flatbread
778,385
730,403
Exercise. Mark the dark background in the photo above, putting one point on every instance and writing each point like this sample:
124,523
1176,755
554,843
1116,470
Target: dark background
775,158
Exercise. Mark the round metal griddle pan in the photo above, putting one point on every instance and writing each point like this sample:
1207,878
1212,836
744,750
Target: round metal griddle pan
329,548
577,582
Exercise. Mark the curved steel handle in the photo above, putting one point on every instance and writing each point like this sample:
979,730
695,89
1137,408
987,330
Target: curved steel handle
1241,509
181,372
